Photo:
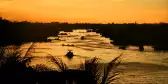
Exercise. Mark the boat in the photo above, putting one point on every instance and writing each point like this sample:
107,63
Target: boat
52,38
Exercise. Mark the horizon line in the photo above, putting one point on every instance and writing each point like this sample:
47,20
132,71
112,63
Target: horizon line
80,22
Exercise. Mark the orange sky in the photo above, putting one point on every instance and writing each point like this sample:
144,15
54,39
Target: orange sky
99,11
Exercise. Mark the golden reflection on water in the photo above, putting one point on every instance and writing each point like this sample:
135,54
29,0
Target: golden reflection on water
94,45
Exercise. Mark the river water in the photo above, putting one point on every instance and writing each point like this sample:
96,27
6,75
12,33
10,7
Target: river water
147,67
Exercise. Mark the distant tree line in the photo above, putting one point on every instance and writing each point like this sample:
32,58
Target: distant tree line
156,35
20,32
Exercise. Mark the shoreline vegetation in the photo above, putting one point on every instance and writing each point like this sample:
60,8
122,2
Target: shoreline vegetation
14,69
123,35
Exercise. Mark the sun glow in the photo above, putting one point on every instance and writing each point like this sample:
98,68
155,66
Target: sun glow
100,11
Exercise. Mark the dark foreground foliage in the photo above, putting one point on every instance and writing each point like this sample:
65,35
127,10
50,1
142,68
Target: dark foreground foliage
14,70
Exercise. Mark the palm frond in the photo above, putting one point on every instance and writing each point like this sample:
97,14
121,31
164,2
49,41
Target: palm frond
27,57
100,73
62,66
111,80
111,67
2,51
94,69
11,59
42,68
28,50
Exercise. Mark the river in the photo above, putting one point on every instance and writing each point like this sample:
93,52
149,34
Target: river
138,67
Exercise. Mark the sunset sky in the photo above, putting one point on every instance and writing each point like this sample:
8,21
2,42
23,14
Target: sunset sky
94,11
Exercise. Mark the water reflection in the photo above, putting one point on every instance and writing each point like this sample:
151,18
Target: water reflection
93,45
